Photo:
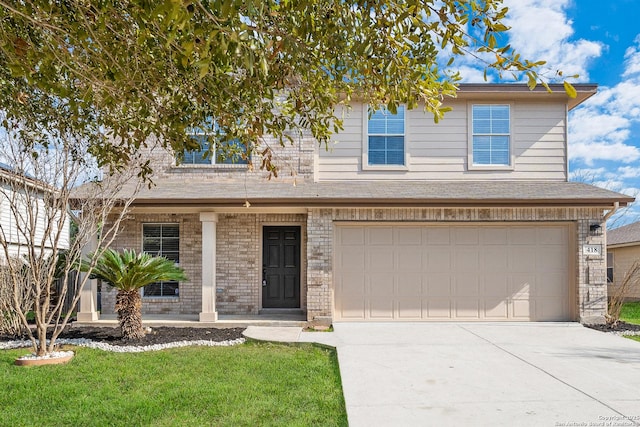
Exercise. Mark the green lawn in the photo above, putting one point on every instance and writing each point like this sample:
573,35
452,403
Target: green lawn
630,312
245,385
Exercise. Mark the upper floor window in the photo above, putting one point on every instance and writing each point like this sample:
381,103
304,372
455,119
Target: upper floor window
386,137
162,240
491,134
225,153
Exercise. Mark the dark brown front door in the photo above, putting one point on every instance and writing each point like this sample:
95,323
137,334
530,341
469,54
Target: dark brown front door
281,267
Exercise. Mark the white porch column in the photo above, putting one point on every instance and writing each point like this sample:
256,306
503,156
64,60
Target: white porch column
209,221
89,294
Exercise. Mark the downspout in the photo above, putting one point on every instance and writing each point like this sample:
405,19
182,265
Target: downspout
615,208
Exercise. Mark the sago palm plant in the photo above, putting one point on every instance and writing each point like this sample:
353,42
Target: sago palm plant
128,272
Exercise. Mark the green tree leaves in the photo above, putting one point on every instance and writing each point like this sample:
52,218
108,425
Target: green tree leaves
121,71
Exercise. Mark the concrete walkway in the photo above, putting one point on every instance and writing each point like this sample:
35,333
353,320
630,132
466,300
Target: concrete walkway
481,374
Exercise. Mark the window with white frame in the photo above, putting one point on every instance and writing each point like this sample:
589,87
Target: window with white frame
491,134
386,142
162,240
609,267
223,152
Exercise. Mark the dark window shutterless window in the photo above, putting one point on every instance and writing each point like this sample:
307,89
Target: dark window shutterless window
162,240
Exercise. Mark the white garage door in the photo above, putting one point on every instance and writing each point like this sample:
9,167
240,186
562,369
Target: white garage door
439,272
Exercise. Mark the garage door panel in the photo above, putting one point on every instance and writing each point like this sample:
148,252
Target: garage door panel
494,235
496,285
522,235
438,308
459,272
549,285
410,284
495,258
381,284
550,309
552,236
496,308
380,260
380,236
467,308
438,261
466,235
521,309
552,259
351,236
409,308
437,285
381,308
522,258
466,260
521,284
438,236
466,285
409,259
409,236
352,259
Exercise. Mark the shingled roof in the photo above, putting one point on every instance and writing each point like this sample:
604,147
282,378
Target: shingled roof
278,193
625,235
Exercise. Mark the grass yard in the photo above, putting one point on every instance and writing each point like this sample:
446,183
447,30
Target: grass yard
246,385
630,312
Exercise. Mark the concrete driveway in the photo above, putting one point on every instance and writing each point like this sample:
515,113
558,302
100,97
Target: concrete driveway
485,374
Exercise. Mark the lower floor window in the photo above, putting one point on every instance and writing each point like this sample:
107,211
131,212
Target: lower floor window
162,240
162,289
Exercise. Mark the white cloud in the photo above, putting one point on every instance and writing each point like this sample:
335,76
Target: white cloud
632,59
628,172
601,128
540,29
590,152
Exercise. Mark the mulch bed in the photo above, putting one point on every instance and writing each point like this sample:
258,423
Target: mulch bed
620,327
159,335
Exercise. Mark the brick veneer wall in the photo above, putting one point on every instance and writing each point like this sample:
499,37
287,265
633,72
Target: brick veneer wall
590,273
238,251
130,237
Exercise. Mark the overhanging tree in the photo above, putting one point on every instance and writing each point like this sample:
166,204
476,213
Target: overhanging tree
130,70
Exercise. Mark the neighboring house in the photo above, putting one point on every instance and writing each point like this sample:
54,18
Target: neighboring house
401,219
21,228
623,249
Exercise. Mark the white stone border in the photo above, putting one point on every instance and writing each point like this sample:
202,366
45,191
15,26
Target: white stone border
84,342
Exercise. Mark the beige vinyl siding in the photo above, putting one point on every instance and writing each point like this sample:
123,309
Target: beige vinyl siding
440,151
623,259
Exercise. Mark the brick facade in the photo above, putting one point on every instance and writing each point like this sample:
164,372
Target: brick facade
239,251
590,272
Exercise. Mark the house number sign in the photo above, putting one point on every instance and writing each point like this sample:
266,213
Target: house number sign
595,250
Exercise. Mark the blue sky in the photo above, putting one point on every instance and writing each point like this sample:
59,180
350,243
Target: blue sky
600,41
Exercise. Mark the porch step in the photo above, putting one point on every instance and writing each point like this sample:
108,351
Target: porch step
291,311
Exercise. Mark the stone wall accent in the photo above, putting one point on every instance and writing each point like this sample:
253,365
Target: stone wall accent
590,286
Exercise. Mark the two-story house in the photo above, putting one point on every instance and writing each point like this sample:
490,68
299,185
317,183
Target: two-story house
402,219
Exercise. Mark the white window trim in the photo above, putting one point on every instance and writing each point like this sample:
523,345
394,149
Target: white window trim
365,144
212,159
160,297
470,165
